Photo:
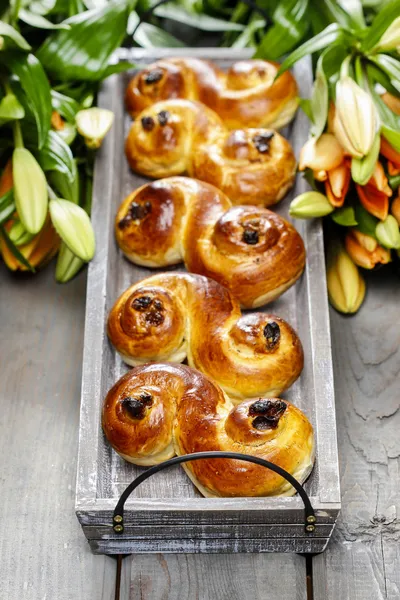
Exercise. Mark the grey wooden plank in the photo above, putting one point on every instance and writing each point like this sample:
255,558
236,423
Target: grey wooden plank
217,577
363,559
43,552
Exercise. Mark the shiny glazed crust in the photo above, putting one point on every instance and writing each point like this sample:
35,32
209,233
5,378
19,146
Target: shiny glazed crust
245,96
172,137
173,316
158,410
253,252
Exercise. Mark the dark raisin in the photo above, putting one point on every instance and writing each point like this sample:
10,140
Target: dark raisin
125,221
250,236
163,117
262,140
148,123
272,334
267,413
134,407
154,318
139,211
158,305
142,303
146,398
153,76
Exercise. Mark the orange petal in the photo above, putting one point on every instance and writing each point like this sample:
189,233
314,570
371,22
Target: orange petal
375,202
359,255
393,169
395,208
389,152
337,185
379,180
57,122
323,154
392,102
6,179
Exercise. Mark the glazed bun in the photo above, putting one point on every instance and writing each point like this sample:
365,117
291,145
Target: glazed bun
174,316
247,95
159,410
253,252
252,166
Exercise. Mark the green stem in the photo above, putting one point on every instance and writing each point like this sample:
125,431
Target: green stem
18,140
345,68
15,12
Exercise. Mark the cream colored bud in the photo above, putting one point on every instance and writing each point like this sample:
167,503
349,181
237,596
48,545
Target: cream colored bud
390,40
346,286
309,205
322,154
30,190
93,124
73,226
356,119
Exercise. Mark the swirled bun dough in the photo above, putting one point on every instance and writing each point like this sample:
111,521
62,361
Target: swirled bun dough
173,137
159,410
253,252
247,95
174,316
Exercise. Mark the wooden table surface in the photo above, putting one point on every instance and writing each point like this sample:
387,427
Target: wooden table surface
44,555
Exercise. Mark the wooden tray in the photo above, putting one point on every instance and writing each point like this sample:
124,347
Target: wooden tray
167,514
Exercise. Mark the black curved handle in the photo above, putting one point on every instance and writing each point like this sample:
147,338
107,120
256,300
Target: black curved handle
309,514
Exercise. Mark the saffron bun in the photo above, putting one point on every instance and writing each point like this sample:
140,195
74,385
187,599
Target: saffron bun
247,95
173,137
250,250
176,316
158,410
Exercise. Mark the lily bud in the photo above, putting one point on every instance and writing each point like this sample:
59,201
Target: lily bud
322,154
73,226
346,286
356,119
364,250
390,40
309,205
30,190
67,265
388,233
93,124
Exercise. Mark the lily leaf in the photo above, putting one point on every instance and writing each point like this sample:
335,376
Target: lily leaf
290,26
66,106
381,22
14,250
39,21
83,52
391,67
196,20
7,206
344,216
150,36
13,38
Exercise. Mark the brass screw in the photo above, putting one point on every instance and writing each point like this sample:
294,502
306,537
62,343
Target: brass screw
311,519
118,528
117,519
310,528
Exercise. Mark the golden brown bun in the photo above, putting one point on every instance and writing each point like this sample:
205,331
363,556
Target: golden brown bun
173,316
252,166
253,252
245,96
158,410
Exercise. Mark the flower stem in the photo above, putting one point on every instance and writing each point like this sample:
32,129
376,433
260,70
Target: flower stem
18,140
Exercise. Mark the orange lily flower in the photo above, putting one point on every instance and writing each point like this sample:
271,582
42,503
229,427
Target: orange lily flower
364,250
392,155
395,208
374,196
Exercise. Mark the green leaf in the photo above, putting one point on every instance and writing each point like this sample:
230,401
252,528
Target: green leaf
290,26
13,38
305,105
150,36
74,227
14,250
330,35
36,88
10,109
376,75
19,235
344,216
83,52
381,22
246,38
391,67
35,20
363,168
7,206
392,136
366,222
394,181
119,67
319,100
353,10
56,155
197,20
66,106
62,183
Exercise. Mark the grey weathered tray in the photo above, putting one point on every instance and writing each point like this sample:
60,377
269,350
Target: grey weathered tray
167,514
